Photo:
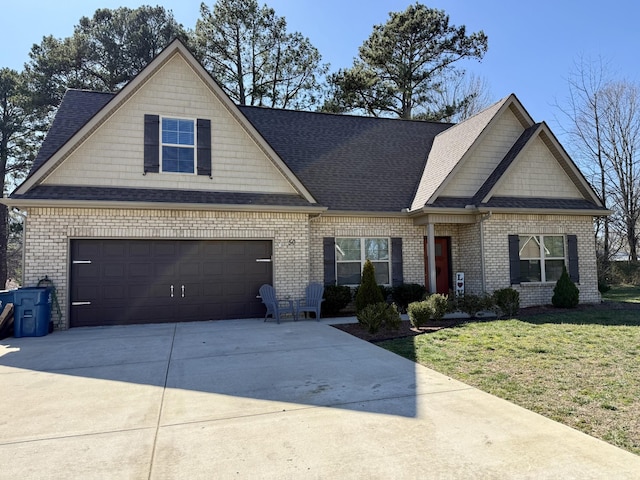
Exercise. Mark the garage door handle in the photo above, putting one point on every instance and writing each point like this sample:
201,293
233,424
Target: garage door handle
268,260
182,291
75,304
76,262
171,291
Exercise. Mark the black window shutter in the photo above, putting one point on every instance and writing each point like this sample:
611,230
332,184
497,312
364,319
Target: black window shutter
204,146
572,247
397,276
329,249
151,143
514,258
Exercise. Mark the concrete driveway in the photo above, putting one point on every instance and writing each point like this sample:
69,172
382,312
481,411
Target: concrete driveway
247,399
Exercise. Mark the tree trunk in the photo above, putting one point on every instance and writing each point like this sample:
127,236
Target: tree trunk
4,222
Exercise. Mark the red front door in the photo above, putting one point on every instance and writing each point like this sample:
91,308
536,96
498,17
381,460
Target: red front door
443,264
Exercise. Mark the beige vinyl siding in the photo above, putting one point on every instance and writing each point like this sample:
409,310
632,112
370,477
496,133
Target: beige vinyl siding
113,155
485,157
537,174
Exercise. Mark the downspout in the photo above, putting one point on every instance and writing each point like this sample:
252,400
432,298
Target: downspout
483,218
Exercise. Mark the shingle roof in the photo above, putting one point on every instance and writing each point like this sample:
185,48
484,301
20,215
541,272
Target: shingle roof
75,110
541,203
347,162
62,192
448,149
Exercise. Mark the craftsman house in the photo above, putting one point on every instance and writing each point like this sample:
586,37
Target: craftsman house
168,202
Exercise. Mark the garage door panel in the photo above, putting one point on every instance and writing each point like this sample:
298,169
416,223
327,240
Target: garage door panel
164,249
189,269
114,249
140,269
117,270
139,248
114,292
129,281
212,269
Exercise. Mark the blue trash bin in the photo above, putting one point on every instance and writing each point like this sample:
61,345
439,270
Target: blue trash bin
32,311
6,296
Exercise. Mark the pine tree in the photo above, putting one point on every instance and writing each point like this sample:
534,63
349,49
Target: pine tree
565,293
368,293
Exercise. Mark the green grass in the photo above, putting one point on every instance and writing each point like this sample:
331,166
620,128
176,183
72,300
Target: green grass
623,293
581,368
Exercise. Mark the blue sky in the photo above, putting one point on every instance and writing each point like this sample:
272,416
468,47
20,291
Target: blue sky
532,45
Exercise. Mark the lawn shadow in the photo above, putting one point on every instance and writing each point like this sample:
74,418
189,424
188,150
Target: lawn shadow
607,313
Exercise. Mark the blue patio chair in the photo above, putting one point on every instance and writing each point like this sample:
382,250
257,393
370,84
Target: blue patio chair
275,307
312,301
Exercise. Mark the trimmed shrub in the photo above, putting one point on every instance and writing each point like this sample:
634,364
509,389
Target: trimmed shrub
565,293
336,297
372,316
439,305
419,313
392,319
472,304
368,292
406,293
387,293
507,300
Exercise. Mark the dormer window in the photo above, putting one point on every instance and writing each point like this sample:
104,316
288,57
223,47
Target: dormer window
178,145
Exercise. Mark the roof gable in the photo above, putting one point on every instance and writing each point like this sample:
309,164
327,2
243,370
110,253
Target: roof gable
536,167
107,138
454,147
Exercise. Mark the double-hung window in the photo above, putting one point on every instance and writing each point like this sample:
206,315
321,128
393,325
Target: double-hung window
352,253
178,145
542,257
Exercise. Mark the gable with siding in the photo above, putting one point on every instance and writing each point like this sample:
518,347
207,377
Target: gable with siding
112,156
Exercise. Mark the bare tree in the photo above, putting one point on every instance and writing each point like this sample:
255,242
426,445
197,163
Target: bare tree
604,132
621,139
474,91
583,111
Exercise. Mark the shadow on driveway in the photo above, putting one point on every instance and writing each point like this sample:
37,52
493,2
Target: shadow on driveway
241,367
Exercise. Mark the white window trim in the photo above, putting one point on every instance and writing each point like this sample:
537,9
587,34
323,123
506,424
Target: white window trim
542,258
195,145
363,259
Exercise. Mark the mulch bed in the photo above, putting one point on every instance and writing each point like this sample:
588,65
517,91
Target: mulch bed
406,330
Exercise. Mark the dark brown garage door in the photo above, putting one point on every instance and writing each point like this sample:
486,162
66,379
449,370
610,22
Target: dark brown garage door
115,282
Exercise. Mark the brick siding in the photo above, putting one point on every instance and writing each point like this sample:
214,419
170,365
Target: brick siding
49,230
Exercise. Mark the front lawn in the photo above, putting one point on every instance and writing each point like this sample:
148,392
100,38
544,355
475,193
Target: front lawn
581,368
623,293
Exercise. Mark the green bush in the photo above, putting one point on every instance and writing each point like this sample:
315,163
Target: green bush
603,287
392,319
406,293
507,300
368,292
387,293
419,313
472,304
372,316
439,305
565,293
336,297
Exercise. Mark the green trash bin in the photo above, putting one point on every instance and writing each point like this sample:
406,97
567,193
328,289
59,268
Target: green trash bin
32,311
